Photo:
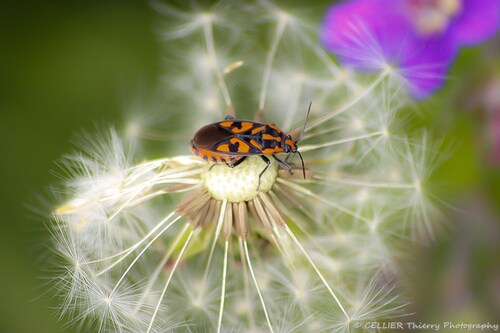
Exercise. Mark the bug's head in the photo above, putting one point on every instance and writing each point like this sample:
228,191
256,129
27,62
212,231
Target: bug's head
291,147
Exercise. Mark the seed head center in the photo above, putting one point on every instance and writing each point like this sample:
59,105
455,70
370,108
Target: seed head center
240,183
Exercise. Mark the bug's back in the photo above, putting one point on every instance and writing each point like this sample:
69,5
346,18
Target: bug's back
230,140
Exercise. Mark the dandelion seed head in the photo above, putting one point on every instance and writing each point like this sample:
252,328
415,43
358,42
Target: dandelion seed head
243,306
197,302
300,77
133,129
206,17
395,175
335,266
362,195
417,186
150,244
204,60
357,124
211,104
283,17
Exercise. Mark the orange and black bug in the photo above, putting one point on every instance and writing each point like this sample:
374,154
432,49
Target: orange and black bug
232,140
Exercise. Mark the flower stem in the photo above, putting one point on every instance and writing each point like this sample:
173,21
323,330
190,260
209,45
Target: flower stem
223,287
352,102
269,62
141,253
246,283
184,247
257,286
309,193
132,248
159,268
296,241
211,253
209,40
338,142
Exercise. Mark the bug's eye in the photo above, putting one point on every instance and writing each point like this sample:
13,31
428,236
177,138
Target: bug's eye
209,135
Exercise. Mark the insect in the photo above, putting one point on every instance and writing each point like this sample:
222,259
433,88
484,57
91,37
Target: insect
232,140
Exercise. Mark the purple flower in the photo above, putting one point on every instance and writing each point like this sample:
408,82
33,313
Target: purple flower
420,38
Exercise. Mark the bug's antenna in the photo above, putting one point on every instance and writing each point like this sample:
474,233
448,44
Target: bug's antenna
300,137
303,166
305,124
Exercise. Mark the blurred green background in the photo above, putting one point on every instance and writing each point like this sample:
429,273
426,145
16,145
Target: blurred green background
67,65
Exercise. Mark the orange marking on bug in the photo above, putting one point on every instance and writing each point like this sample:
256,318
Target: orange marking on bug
223,148
255,144
216,157
270,137
203,152
245,126
242,146
226,123
258,129
270,151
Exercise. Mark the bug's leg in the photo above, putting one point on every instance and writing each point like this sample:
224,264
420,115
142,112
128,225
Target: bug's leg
229,117
284,165
238,162
214,164
231,163
268,162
